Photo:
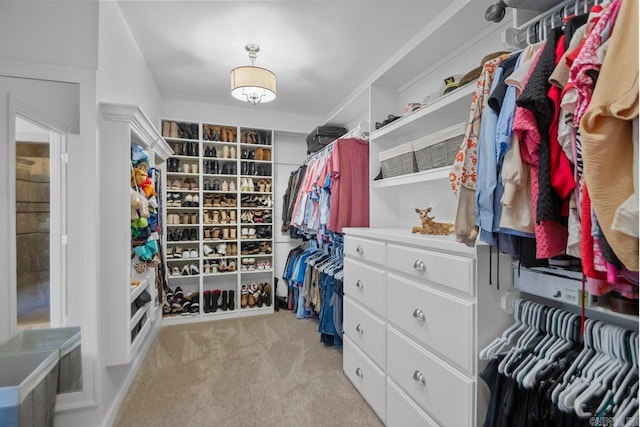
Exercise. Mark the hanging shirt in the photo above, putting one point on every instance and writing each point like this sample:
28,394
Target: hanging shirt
607,132
349,203
463,174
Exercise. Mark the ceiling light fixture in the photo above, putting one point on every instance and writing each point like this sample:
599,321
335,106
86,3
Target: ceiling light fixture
253,84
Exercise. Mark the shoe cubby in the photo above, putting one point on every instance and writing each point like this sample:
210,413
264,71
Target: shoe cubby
255,295
219,182
255,169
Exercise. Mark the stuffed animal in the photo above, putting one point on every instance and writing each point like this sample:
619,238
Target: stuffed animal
429,226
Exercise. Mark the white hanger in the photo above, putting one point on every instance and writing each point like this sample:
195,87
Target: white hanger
499,343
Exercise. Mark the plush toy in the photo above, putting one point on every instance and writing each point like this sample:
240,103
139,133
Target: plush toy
429,226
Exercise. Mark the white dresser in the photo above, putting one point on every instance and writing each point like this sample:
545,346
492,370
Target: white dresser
417,310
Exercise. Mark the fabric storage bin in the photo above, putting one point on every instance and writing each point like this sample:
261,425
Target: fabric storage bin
439,148
28,383
65,340
399,160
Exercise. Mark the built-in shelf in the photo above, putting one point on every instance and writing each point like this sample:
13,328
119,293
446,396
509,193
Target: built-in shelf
135,292
413,178
445,111
138,315
565,287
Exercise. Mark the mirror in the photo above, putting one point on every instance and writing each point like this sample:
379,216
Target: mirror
33,217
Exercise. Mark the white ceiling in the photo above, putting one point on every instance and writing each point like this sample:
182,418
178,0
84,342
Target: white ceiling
320,51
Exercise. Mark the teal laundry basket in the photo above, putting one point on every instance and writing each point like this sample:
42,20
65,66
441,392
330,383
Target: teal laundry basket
28,384
65,340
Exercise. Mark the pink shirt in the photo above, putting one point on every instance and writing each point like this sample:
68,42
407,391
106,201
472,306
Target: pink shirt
349,168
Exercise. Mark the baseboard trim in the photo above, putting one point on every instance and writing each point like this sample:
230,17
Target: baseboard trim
112,413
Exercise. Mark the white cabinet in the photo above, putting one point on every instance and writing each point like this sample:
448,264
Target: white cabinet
364,326
121,127
437,310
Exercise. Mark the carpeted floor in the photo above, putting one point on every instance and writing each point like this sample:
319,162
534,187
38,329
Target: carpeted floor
262,371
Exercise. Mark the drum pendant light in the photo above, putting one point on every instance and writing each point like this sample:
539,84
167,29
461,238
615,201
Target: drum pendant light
253,84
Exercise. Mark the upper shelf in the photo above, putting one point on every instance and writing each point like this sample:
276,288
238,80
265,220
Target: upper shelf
445,111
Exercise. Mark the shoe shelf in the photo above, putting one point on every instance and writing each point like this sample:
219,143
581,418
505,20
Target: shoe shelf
443,112
183,157
220,273
138,315
140,326
137,290
236,150
219,175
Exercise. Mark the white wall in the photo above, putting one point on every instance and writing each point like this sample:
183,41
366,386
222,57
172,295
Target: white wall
289,154
123,75
53,32
244,115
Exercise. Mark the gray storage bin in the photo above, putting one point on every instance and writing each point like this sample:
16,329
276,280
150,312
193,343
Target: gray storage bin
28,383
399,160
439,149
65,340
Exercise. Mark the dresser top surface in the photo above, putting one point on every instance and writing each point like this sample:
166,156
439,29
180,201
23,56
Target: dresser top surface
406,237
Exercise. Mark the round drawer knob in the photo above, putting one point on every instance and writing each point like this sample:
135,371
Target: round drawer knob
360,249
419,378
359,284
359,328
419,315
420,265
359,372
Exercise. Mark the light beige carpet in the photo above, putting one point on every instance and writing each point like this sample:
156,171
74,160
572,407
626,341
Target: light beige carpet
269,370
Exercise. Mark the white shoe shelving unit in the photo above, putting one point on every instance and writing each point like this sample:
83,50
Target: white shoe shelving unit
233,189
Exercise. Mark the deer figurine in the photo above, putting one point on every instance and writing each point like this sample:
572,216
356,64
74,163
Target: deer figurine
429,226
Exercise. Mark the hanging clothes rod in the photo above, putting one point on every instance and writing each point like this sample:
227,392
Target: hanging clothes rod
360,132
538,28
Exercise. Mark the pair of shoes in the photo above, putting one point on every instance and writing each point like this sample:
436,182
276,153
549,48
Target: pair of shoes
264,185
211,298
191,201
190,270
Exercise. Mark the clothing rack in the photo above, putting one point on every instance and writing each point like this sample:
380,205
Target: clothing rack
360,131
538,28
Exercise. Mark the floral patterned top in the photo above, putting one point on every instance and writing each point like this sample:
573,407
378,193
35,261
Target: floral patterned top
464,169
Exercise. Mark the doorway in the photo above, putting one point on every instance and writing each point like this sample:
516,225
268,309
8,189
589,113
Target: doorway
40,225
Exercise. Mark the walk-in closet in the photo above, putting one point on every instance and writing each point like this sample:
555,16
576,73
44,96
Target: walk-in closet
266,213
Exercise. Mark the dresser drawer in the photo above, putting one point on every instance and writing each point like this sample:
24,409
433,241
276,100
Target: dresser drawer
367,331
365,376
439,321
366,284
449,270
446,395
402,411
364,249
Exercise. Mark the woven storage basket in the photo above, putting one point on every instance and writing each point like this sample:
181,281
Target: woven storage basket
439,148
398,160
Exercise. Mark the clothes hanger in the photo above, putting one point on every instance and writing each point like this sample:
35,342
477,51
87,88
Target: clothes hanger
573,378
576,367
536,356
591,369
560,344
526,341
632,375
611,380
526,328
498,343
